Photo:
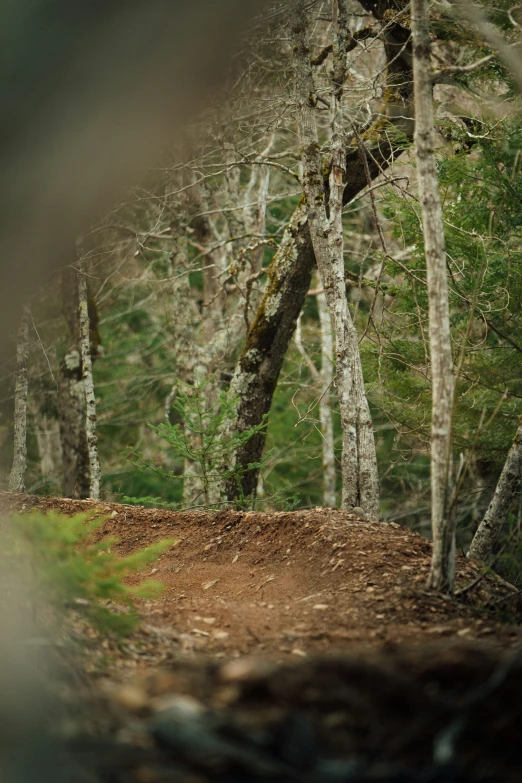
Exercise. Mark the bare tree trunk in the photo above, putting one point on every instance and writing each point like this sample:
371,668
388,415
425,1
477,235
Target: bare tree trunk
17,476
71,399
359,462
186,319
90,399
49,446
322,382
325,411
214,260
486,537
442,573
289,275
261,360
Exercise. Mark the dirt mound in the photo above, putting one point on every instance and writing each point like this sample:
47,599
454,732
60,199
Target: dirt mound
280,584
416,686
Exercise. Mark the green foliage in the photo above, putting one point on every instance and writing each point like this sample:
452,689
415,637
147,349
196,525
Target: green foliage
202,439
71,569
481,190
507,558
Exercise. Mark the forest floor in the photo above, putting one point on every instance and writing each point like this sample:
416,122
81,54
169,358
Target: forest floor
314,616
295,583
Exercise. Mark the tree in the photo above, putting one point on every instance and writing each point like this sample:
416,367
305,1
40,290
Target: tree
257,371
71,398
17,476
324,212
442,574
322,381
325,411
486,537
88,384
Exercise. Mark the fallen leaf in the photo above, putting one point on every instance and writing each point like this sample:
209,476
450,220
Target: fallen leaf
265,582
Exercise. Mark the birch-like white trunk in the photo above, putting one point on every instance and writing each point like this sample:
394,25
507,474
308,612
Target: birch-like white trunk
90,399
442,573
49,445
17,475
360,484
322,382
325,410
487,535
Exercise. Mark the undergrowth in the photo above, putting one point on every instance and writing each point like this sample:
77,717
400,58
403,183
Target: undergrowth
68,569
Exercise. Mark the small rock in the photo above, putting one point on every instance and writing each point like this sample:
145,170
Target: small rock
297,651
220,636
244,669
131,696
320,607
179,703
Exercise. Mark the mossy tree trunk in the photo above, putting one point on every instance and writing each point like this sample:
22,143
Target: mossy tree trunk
360,484
71,401
257,372
17,475
261,360
442,574
71,398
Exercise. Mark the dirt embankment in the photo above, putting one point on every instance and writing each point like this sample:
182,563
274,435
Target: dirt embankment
295,647
298,583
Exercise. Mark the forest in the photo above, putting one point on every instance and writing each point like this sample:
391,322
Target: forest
266,323
205,367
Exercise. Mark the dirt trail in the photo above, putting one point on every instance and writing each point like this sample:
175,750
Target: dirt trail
291,584
244,692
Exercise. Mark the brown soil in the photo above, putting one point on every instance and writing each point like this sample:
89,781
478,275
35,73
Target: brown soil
298,583
297,646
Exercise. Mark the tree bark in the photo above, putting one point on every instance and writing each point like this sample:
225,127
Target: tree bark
322,382
17,476
90,399
442,573
487,535
71,398
261,360
325,411
49,444
360,484
289,275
